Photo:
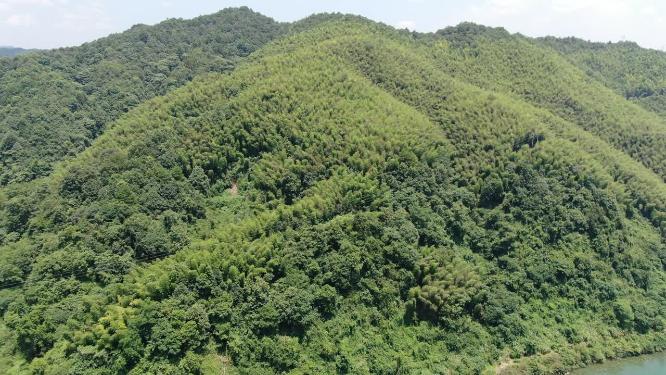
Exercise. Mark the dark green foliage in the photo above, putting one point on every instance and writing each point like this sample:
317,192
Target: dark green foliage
350,200
54,103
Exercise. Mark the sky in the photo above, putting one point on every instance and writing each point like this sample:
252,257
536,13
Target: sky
60,23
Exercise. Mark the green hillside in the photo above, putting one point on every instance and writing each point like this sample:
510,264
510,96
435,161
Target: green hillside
637,73
53,104
348,199
498,61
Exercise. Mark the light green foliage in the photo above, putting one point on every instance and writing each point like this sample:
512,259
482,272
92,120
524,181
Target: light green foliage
634,72
351,199
447,286
494,59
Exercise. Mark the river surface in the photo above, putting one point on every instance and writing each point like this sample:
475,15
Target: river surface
654,364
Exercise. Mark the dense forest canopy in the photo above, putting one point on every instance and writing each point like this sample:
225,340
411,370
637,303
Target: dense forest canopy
517,65
233,195
53,104
636,73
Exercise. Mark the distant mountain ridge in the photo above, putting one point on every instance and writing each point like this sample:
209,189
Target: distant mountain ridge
6,51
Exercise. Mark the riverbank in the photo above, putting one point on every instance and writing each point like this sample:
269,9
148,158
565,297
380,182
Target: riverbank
588,355
649,364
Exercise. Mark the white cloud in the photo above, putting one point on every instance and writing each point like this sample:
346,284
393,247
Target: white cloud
599,20
20,20
594,6
508,7
69,22
85,17
10,3
406,24
47,23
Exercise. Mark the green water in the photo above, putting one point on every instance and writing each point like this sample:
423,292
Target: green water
654,364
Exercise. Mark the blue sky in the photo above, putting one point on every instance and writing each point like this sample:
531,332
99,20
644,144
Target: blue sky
56,23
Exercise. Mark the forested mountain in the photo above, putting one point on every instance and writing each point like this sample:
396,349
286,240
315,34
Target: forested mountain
54,103
516,65
12,51
348,199
636,73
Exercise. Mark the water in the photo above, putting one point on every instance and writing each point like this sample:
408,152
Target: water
654,364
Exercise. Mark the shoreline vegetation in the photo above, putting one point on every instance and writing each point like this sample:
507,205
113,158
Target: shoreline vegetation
587,356
634,363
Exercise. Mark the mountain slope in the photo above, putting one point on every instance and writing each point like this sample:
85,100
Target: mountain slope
498,61
342,202
636,73
54,103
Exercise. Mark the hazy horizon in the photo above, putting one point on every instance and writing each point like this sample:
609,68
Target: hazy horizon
46,24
